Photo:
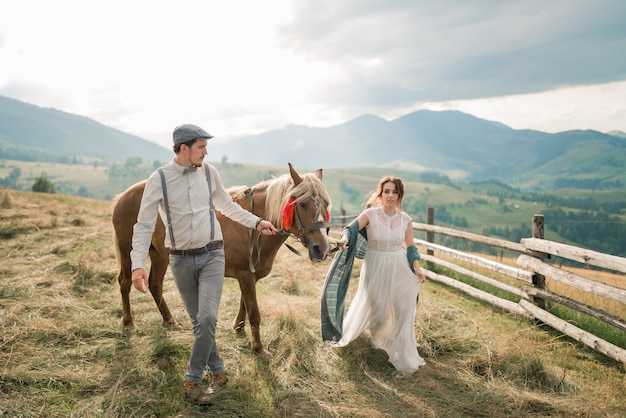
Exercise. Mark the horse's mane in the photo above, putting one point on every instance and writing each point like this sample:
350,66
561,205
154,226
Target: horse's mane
237,192
280,189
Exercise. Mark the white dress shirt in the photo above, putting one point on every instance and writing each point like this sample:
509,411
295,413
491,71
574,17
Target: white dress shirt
188,198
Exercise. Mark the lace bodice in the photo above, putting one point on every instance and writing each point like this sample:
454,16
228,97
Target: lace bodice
385,233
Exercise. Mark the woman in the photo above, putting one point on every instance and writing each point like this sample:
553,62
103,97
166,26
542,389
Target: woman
386,296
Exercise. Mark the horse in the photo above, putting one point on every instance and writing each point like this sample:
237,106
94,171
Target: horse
298,205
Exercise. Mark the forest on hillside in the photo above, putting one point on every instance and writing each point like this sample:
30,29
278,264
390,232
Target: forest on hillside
592,224
586,220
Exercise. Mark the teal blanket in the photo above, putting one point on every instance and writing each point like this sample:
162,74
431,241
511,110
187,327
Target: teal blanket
337,281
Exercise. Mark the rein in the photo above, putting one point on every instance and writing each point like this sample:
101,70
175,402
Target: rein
251,243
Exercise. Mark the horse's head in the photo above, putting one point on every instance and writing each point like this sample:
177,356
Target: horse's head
306,213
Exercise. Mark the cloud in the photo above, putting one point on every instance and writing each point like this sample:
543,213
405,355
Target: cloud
248,66
451,50
35,93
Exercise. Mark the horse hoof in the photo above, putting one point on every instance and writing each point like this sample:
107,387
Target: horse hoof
240,333
264,355
128,326
173,325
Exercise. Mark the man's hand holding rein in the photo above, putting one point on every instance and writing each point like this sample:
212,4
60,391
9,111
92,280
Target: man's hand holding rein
265,227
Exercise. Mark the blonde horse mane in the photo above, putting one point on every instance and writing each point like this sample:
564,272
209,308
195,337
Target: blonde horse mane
280,189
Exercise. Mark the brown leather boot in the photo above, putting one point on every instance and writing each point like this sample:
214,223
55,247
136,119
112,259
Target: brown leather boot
218,381
194,394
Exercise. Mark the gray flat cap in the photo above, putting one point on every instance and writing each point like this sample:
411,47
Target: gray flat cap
188,132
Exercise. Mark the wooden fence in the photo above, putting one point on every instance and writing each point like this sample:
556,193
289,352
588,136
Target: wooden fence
528,277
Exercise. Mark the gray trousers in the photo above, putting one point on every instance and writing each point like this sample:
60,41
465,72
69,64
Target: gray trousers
200,280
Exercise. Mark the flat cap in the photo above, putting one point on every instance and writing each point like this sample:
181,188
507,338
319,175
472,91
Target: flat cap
188,132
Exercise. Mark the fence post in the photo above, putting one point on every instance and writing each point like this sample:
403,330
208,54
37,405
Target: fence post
539,280
430,236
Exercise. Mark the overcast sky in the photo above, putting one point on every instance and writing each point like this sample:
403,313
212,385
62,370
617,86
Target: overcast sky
248,66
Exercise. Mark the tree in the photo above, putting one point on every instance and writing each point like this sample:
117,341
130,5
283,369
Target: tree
83,192
43,185
11,179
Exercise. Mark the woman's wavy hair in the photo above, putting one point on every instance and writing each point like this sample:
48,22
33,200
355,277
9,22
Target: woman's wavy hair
375,198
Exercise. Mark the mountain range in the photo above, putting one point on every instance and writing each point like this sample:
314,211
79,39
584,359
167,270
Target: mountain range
457,144
33,133
452,143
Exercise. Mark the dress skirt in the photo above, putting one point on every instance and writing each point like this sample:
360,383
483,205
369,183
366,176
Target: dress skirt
385,304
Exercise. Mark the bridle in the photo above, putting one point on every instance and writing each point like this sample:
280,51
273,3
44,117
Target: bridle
298,237
305,230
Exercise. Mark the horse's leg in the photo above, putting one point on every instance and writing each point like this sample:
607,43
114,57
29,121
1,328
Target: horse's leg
125,281
158,268
240,321
248,293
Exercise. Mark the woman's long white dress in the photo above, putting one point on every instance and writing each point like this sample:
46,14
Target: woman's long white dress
385,300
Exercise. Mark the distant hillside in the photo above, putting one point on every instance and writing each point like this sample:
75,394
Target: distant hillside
457,144
32,133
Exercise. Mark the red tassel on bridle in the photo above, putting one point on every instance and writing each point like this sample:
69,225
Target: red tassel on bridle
288,214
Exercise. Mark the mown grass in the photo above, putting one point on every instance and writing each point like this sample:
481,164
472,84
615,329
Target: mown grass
63,352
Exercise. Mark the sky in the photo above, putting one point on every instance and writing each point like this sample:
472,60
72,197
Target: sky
248,66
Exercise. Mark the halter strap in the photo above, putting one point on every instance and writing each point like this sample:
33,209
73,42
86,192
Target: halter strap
303,230
259,241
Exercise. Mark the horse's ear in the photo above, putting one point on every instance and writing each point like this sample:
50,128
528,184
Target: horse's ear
294,175
318,173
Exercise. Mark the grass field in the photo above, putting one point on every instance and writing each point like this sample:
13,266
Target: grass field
63,353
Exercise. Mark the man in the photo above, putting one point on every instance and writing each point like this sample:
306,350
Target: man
184,192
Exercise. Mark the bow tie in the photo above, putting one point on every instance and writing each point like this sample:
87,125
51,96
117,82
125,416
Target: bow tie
191,169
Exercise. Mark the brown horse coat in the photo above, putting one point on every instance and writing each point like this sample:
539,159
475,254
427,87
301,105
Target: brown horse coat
266,200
